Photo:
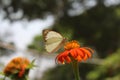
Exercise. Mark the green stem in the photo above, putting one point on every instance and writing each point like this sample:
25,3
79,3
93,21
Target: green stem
76,70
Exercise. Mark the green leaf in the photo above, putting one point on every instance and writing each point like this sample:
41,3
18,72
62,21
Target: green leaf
32,65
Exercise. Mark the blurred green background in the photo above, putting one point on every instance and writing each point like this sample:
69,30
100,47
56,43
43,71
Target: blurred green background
94,23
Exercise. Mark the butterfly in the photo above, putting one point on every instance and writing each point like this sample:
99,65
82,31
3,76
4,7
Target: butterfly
53,40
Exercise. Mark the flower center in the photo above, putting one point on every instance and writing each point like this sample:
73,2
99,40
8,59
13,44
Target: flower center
71,45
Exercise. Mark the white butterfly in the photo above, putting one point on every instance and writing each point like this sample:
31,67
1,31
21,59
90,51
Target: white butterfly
53,40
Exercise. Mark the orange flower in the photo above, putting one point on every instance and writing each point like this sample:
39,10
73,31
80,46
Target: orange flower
16,66
73,51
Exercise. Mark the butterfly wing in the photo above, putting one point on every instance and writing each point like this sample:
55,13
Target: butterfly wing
53,40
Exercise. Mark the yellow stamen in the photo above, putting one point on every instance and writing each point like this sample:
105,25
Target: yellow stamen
71,45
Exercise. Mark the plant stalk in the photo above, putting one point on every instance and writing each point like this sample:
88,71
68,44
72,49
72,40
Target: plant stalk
76,70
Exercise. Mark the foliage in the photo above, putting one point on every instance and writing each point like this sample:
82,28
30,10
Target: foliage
37,8
65,72
109,70
62,73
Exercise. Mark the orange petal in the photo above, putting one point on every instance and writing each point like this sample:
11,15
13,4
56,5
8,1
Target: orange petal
67,59
92,51
61,57
73,53
86,52
80,53
79,58
22,71
85,57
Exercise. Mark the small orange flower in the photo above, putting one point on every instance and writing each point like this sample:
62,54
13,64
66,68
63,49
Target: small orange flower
16,66
73,51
